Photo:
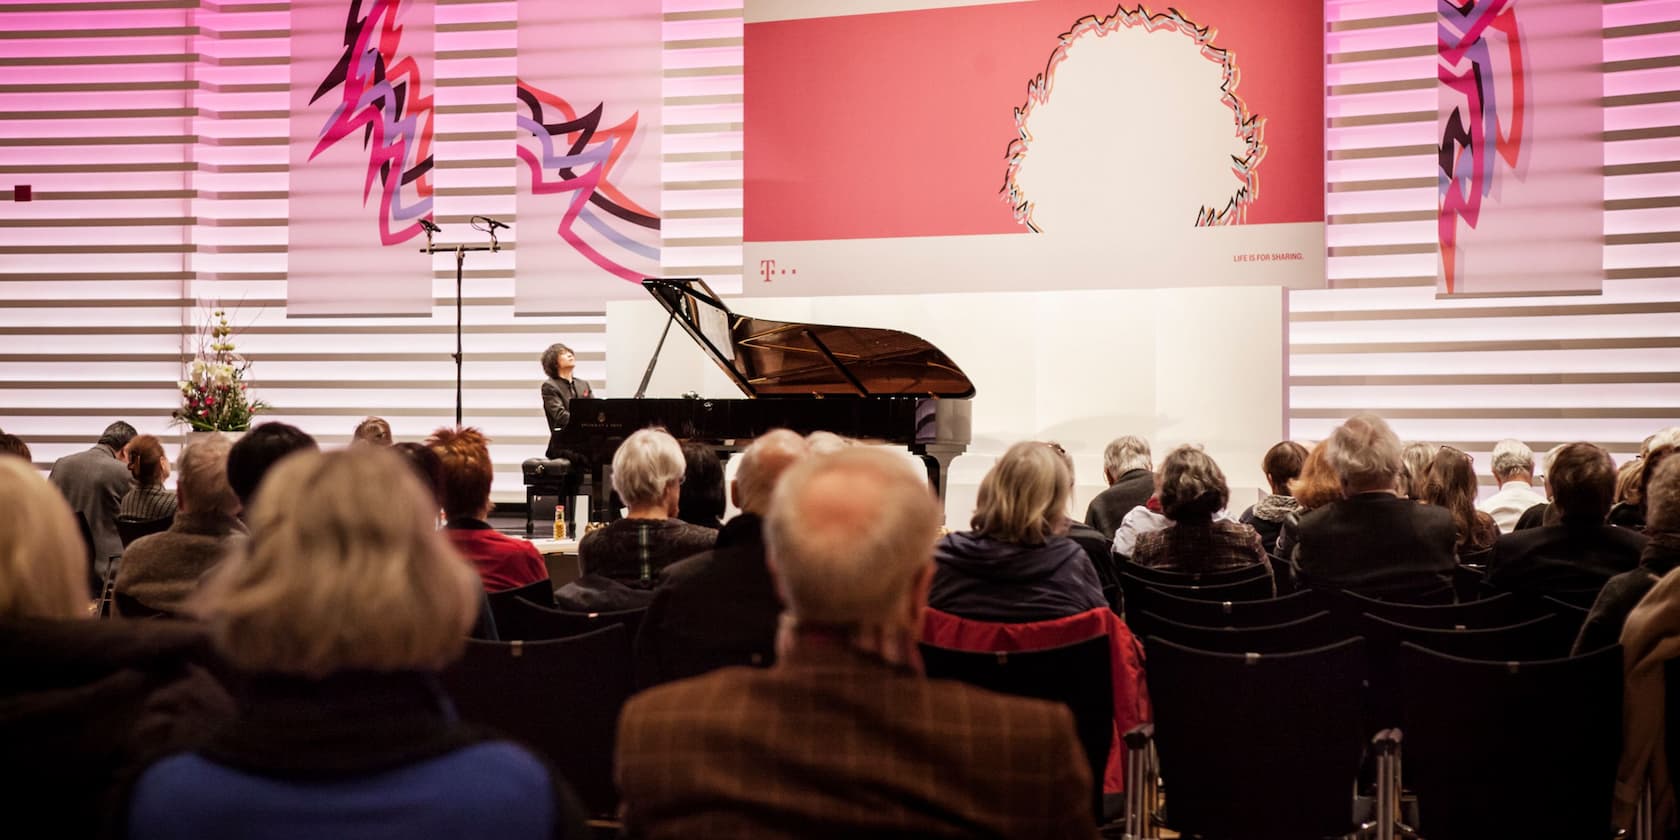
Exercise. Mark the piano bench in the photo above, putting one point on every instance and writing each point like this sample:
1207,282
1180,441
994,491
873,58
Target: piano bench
546,476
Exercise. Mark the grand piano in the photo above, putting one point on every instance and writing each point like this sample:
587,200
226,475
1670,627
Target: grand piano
876,385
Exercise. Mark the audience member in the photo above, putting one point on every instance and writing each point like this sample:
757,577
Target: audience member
1095,546
503,562
1128,468
824,443
1660,556
1017,565
1513,470
336,613
1650,641
843,737
159,571
1415,459
1541,514
1372,541
14,445
1193,489
1281,464
1573,559
85,703
720,607
647,473
372,430
1451,484
259,450
1317,485
701,501
147,500
427,466
1630,511
94,482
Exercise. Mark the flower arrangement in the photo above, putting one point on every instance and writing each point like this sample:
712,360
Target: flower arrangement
213,397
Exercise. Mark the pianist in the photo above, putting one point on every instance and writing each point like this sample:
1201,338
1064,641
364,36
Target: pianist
558,391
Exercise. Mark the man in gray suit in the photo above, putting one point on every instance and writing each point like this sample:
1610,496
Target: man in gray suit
93,482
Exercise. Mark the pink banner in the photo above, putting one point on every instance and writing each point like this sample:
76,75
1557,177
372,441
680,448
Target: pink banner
361,157
589,152
1521,128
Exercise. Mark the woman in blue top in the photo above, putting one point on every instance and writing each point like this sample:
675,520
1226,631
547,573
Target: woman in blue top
336,615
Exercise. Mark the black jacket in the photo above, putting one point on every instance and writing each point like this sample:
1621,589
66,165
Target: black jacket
84,705
557,396
1623,592
1377,544
714,609
983,579
1133,488
1571,560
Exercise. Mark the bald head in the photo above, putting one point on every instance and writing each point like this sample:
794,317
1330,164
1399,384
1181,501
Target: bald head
850,536
762,464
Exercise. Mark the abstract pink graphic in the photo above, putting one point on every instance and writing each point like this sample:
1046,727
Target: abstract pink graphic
382,95
572,155
1480,47
1230,203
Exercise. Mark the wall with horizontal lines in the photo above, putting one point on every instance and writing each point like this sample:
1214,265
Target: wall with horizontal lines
153,135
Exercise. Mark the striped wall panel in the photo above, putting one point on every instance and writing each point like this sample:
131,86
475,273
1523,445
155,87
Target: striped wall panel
155,145
1603,368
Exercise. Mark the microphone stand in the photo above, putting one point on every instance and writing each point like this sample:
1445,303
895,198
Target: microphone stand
460,264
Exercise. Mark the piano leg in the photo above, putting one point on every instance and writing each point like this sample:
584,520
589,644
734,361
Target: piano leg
937,459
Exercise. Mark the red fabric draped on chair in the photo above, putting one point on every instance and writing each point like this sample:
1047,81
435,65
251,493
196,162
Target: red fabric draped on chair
1131,693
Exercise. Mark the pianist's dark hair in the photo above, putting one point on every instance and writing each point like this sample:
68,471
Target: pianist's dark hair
551,359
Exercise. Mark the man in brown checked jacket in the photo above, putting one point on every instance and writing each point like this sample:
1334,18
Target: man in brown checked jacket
844,737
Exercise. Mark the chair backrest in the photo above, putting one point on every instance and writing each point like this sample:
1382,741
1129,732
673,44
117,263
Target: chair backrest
1257,588
1314,631
1569,613
1498,749
1258,745
129,530
1470,583
1076,675
1174,607
1177,578
540,592
1671,716
1534,639
528,621
560,697
1498,611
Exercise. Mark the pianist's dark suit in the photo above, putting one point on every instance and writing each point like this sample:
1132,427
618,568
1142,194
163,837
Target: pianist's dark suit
557,396
1377,544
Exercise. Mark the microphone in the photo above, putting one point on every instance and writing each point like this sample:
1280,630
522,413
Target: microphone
430,226
494,225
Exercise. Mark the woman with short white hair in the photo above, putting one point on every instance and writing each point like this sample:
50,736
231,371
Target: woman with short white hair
647,473
337,613
1017,564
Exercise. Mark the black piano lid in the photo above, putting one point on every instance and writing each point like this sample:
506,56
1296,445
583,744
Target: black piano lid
766,358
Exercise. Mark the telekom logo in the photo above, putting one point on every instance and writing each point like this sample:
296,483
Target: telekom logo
768,270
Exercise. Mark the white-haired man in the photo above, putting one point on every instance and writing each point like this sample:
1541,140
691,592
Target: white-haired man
1372,541
720,607
843,737
1513,468
1129,470
159,571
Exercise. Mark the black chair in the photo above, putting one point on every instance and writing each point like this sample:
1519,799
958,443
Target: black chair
1153,577
1261,746
540,592
1470,583
1568,613
525,620
130,530
1291,607
1075,675
1498,611
1315,631
1539,638
1521,750
1252,589
560,697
